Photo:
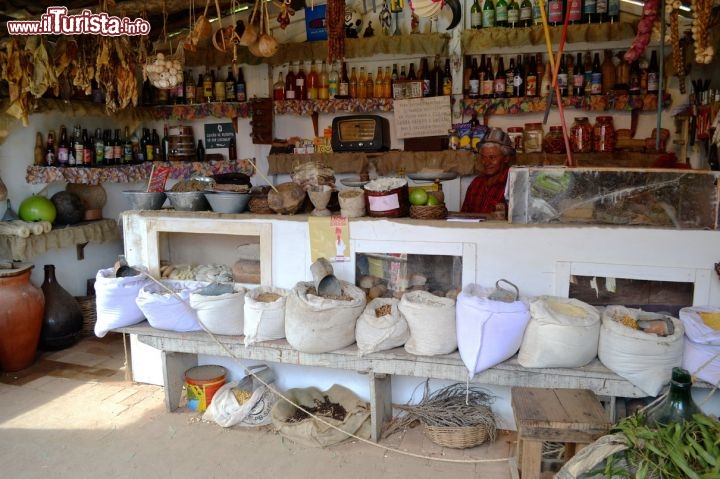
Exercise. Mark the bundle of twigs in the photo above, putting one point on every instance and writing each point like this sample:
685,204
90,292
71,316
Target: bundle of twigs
456,405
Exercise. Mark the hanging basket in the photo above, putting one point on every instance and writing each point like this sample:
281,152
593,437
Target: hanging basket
164,71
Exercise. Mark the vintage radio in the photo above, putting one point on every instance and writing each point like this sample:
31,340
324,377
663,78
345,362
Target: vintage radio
360,133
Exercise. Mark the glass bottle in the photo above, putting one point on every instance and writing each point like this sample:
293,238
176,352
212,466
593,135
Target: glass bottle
679,406
312,82
300,83
509,78
117,148
555,12
127,151
230,86
219,88
634,83
200,151
589,11
387,83
79,146
518,78
500,82
99,148
333,82
232,149
240,87
501,13
362,84
543,76
369,86
142,147
578,77
353,84
488,82
279,88
426,83
379,84
447,78
149,146
488,14
575,14
208,81
436,79
562,78
39,157
63,318
531,78
323,82
601,8
526,13
344,82
474,91
513,14
537,14
587,71
290,84
613,13
596,81
180,92
164,144
190,90
411,76
608,72
653,77
88,149
475,15
63,147
403,74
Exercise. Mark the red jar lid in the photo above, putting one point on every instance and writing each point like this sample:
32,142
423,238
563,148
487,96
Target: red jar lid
515,129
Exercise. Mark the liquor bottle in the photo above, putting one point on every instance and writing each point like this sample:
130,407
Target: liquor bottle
488,14
369,85
653,78
411,76
39,153
127,151
142,147
537,14
362,84
232,149
447,79
240,87
501,13
518,78
634,83
99,159
474,91
589,11
578,77
488,82
180,91
200,151
475,15
312,82
79,146
344,82
156,148
513,20
109,149
562,78
546,80
526,13
531,78
426,83
555,12
50,158
403,75
379,84
353,84
613,13
190,90
608,72
63,147
387,83
300,83
230,86
500,83
596,81
219,87
575,13
587,72
601,9
88,149
333,82
290,84
509,78
117,148
208,81
164,143
482,65
149,146
323,82
163,96
436,78
279,88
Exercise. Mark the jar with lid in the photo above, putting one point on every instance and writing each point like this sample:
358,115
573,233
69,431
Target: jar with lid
515,133
554,142
581,135
604,134
533,138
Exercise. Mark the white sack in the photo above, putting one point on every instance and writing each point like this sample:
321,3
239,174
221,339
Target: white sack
170,311
115,300
702,361
488,331
644,359
221,314
373,333
695,327
431,320
314,324
225,410
264,321
562,333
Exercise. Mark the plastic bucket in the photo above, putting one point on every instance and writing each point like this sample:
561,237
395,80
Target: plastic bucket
202,383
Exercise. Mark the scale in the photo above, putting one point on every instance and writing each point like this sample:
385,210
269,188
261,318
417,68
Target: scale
436,177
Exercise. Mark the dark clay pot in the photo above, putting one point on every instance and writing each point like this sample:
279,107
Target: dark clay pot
63,318
21,317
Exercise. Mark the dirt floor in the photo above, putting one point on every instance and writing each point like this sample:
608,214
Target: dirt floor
74,415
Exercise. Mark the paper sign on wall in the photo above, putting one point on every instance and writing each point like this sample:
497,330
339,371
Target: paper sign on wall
329,238
418,117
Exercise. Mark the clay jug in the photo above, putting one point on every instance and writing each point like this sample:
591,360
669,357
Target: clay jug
21,317
63,318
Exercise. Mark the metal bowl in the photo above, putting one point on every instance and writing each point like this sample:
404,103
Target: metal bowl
143,200
188,200
227,202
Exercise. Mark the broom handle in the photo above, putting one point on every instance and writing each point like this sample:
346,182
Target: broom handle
257,170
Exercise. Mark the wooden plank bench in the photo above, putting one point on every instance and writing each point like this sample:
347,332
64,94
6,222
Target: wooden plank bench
180,352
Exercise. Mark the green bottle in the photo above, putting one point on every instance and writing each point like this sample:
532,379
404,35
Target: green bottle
501,13
475,15
513,14
679,406
526,13
488,14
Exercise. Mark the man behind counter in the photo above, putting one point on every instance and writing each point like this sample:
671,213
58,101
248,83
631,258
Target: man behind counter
487,190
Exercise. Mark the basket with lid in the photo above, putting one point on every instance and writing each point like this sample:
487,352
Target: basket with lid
387,197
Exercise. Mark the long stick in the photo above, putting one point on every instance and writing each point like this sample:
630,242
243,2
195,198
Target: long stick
262,176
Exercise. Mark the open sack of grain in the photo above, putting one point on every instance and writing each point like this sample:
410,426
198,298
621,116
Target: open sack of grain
431,320
220,307
167,305
381,326
701,349
115,300
562,333
264,314
643,357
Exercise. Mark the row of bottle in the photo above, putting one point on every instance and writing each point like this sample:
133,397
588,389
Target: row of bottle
529,76
209,88
297,85
525,13
102,149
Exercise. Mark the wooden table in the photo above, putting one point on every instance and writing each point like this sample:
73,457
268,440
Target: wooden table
572,416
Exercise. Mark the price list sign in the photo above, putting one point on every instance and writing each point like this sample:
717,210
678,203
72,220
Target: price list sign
422,117
217,135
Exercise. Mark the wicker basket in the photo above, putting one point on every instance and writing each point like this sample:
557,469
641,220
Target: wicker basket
460,437
434,212
89,312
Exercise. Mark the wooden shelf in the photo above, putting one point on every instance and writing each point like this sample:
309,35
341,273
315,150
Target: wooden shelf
308,107
219,109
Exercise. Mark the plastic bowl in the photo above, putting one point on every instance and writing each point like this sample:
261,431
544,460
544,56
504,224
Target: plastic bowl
188,200
143,200
225,202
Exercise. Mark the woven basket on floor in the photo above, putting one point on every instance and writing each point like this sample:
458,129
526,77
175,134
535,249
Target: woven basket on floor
89,312
423,212
460,437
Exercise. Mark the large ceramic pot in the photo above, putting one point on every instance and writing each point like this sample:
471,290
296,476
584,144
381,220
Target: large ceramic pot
21,316
63,318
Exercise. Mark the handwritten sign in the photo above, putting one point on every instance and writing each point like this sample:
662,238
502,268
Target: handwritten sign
217,135
422,117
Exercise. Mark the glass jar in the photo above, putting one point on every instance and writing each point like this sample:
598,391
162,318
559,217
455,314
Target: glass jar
533,138
554,142
604,134
516,136
581,135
